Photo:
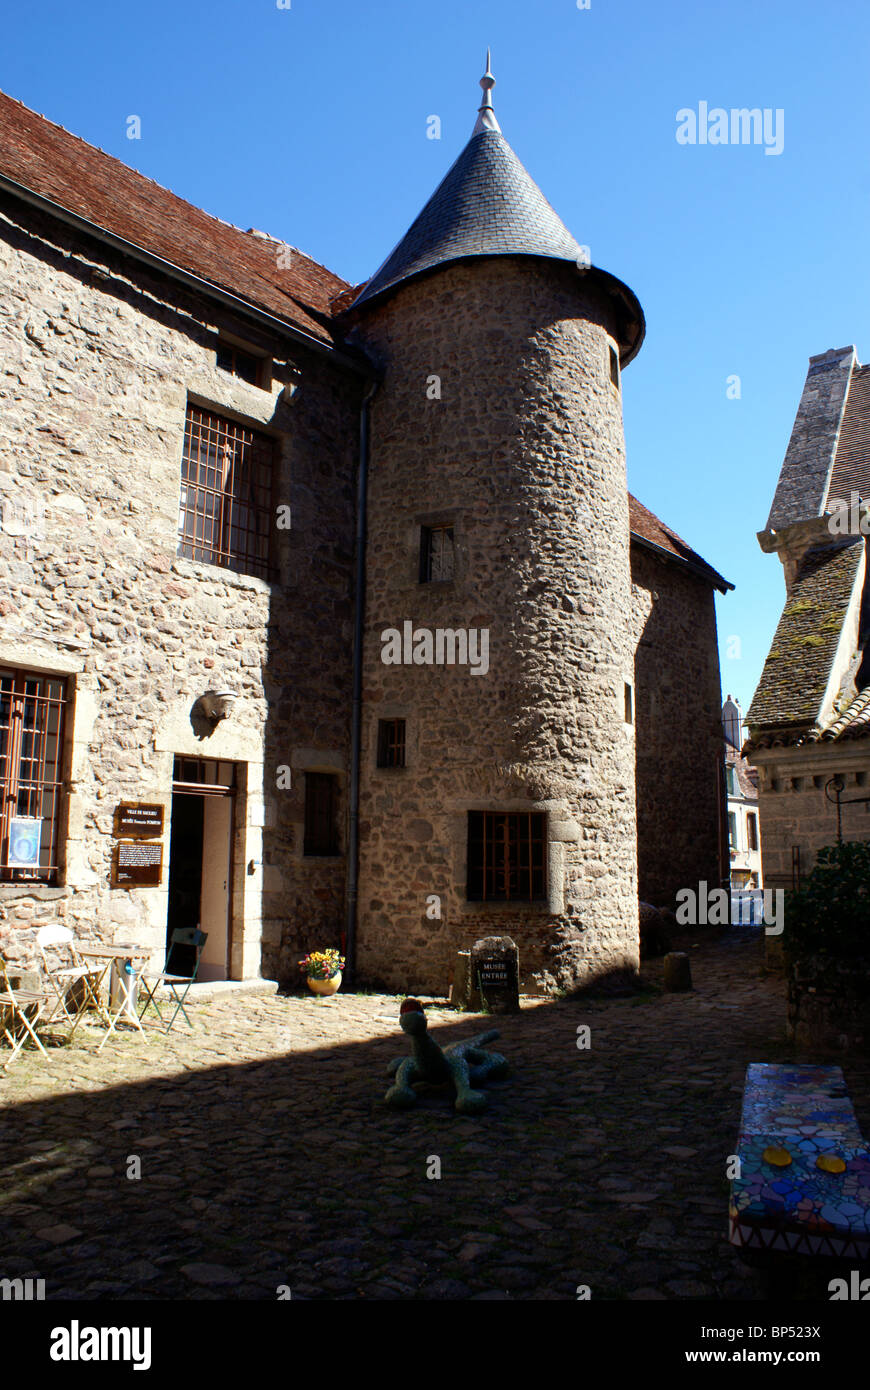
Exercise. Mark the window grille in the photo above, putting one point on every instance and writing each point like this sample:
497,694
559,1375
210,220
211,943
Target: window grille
226,511
32,709
507,856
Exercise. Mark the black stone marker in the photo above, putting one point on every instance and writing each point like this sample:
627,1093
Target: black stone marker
495,970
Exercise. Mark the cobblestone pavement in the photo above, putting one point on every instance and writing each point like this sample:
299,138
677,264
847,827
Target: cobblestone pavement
268,1157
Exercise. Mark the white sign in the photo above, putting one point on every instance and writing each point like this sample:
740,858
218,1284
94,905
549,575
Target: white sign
25,836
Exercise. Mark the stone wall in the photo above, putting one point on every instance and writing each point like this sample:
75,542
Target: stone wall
794,811
679,728
522,452
829,1004
98,358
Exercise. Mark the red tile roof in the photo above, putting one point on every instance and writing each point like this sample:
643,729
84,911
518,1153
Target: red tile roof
48,160
647,527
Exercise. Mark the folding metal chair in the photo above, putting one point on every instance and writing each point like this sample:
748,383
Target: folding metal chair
71,1003
20,1013
178,985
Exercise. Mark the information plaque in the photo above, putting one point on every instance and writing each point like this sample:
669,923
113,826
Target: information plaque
139,818
138,864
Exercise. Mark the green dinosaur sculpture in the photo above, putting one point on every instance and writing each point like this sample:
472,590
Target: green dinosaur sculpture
463,1065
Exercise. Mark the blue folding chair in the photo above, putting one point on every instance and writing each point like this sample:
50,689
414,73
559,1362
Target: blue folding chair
182,939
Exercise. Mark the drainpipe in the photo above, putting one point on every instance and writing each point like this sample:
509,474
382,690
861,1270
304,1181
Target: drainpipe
356,713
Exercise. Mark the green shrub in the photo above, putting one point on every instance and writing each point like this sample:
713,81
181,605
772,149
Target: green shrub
830,914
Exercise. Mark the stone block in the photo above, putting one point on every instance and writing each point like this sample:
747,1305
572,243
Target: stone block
678,972
463,994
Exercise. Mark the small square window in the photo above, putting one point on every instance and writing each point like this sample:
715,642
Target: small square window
614,367
244,365
437,554
391,743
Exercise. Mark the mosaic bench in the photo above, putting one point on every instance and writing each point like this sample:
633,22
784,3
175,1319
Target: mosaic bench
804,1184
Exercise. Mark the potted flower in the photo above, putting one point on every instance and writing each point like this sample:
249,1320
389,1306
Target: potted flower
323,970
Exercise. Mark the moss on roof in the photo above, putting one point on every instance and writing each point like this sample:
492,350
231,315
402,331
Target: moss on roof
798,665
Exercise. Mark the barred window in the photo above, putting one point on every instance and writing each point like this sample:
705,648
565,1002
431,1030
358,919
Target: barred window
436,554
32,711
226,494
507,856
321,819
391,743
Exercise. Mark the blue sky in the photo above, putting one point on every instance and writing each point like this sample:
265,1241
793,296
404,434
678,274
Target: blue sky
310,122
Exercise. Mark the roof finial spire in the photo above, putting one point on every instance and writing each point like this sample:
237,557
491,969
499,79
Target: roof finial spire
486,116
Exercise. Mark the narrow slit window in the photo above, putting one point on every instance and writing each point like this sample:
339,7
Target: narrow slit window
629,703
391,743
437,554
321,814
614,367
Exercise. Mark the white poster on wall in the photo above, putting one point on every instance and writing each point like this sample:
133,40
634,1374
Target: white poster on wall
25,836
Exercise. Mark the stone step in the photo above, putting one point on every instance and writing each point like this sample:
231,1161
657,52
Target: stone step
204,990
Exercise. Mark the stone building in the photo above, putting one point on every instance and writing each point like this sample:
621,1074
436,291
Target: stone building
741,791
345,582
810,714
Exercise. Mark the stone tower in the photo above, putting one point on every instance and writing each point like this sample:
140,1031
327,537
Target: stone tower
498,536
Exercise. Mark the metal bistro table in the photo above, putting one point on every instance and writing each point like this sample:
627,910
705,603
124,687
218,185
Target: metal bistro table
111,1015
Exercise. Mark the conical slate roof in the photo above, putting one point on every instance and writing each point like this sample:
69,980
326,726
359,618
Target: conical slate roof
489,205
486,205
